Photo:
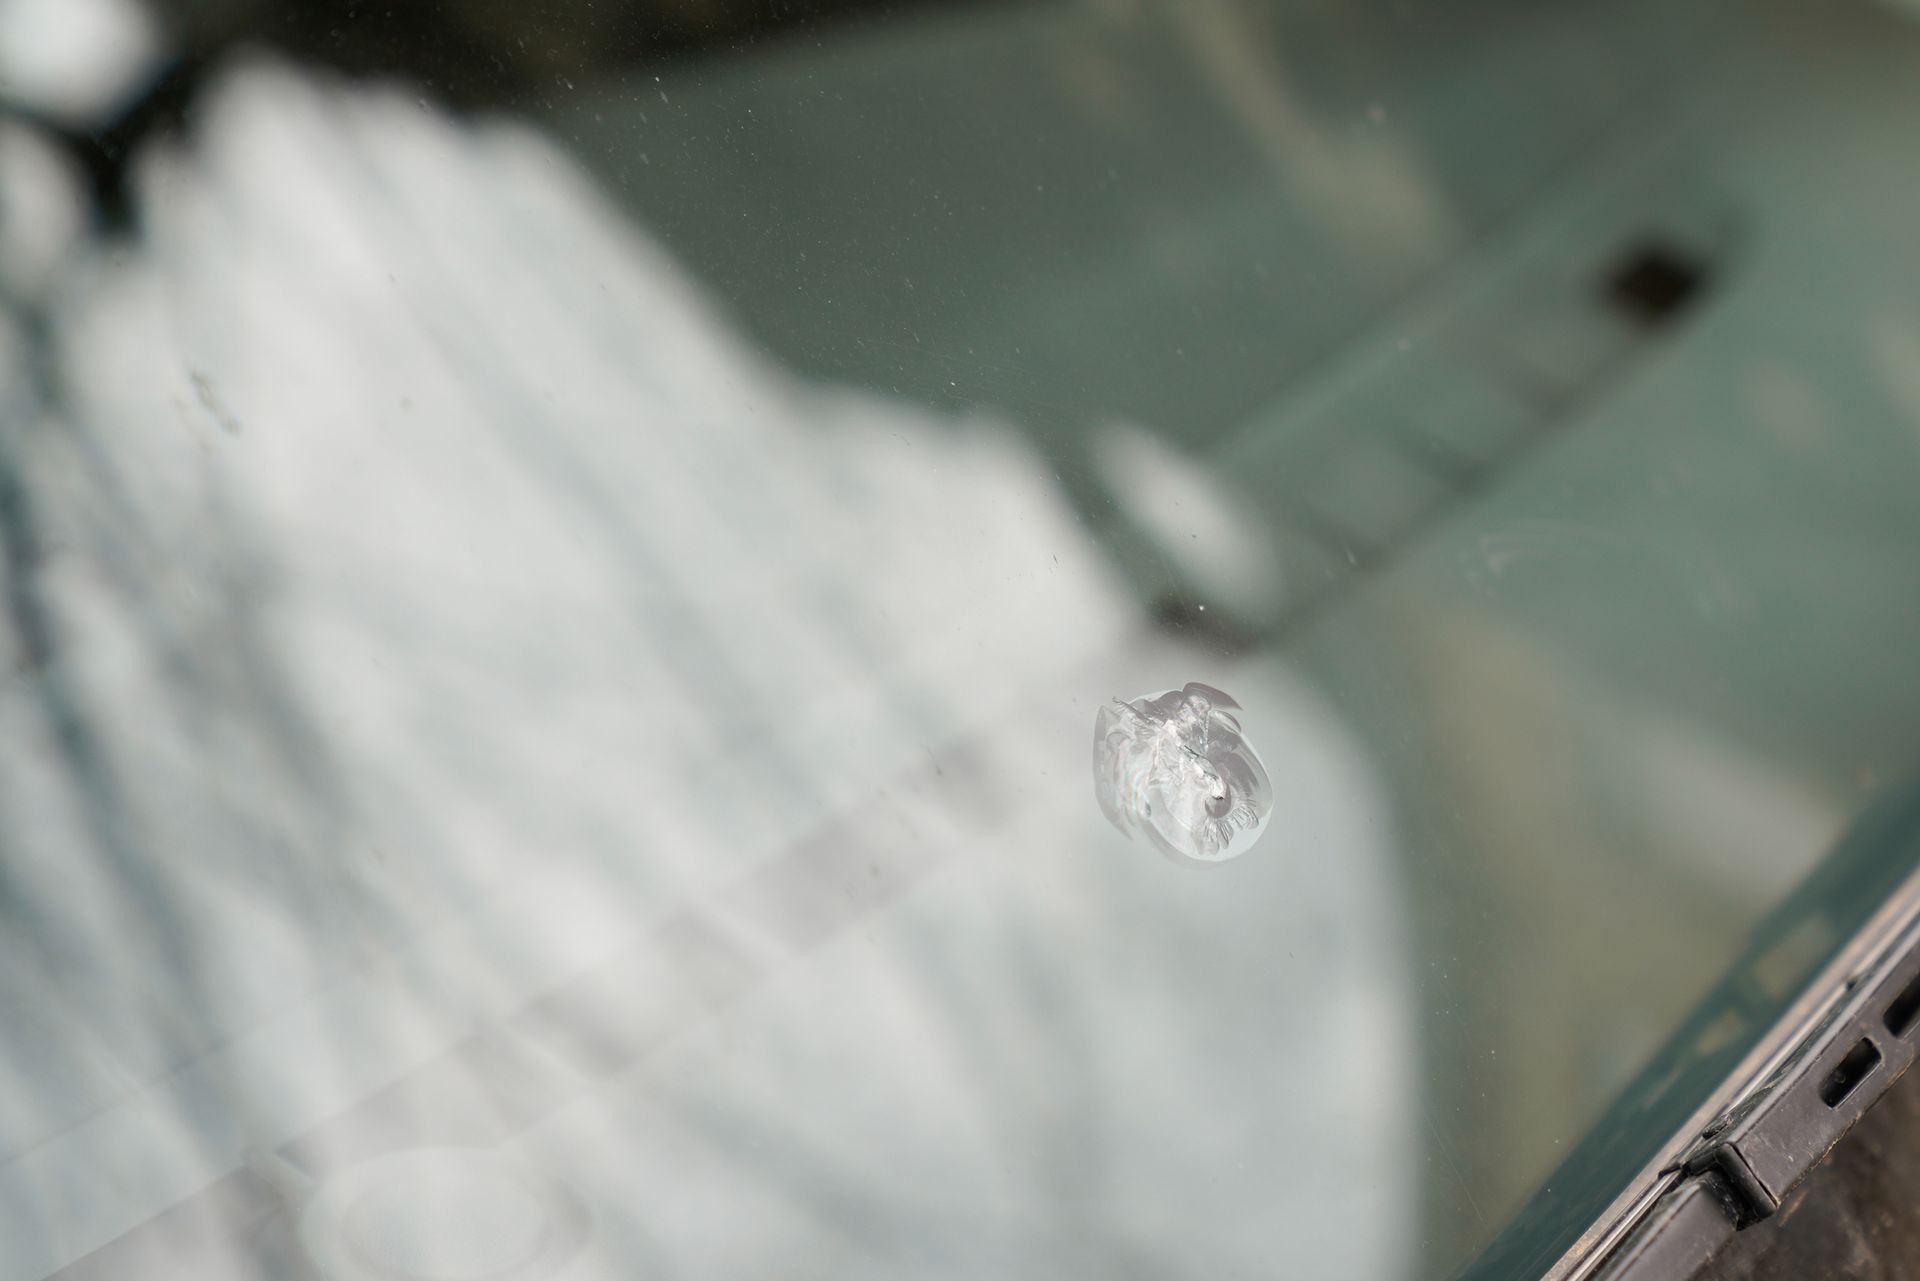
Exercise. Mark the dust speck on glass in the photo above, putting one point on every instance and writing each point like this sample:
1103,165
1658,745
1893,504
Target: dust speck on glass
1176,769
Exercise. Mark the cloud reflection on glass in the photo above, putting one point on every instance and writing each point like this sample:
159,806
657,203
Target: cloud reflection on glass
472,699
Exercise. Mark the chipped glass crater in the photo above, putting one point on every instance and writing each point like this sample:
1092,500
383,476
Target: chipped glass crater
1176,768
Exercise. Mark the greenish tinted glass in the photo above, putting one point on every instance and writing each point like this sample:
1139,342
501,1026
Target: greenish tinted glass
563,571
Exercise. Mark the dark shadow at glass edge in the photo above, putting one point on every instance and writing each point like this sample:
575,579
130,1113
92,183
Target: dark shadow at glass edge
1878,852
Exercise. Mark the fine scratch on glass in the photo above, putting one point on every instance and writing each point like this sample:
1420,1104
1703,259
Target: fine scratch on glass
1176,767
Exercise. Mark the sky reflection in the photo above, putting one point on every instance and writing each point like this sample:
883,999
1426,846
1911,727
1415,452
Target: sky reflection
495,705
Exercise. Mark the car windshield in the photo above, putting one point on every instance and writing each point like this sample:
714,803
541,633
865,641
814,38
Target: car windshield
1092,638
